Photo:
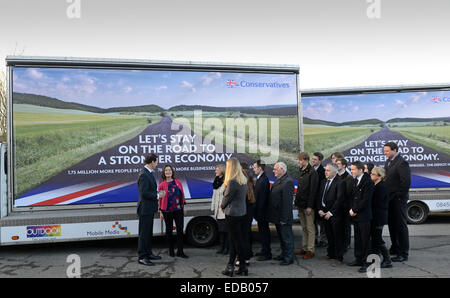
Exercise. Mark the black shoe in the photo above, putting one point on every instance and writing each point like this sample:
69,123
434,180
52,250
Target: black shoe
355,263
285,263
386,264
363,269
263,258
153,257
225,251
171,252
399,259
279,258
182,255
242,271
145,262
229,270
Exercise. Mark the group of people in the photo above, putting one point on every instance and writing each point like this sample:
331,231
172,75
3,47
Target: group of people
329,201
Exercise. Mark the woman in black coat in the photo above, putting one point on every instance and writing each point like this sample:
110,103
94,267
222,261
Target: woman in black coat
250,205
380,205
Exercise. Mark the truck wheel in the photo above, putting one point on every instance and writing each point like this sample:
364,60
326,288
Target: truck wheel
416,212
202,231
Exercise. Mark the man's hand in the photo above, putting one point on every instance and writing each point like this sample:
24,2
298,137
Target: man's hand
328,215
352,214
282,223
308,211
321,213
161,216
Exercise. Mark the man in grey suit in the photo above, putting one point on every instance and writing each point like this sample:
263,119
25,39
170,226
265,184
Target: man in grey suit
280,212
147,207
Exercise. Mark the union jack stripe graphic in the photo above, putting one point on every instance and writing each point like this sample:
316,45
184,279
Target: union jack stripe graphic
70,194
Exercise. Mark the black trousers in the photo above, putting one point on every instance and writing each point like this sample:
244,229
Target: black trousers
378,244
145,236
247,228
169,218
334,229
362,241
398,227
238,246
264,234
347,224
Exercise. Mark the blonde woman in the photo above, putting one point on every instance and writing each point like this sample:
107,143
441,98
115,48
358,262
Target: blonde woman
219,215
234,207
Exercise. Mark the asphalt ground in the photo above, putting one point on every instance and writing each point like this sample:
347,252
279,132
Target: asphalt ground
429,257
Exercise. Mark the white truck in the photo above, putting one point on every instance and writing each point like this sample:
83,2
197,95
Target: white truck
364,118
78,128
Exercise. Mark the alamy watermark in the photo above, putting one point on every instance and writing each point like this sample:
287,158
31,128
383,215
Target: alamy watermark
249,135
374,269
74,269
374,9
73,11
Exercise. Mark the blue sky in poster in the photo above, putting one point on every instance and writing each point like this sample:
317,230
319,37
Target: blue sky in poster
116,88
383,106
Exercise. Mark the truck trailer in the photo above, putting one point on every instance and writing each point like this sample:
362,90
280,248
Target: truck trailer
78,130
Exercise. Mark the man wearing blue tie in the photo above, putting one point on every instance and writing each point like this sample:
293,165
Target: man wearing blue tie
147,207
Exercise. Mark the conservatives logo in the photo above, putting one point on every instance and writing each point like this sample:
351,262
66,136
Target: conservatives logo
246,84
231,84
437,99
43,231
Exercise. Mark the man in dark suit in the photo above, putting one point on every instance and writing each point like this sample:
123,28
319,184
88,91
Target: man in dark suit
331,209
348,180
280,213
321,238
361,212
316,161
262,192
398,181
147,207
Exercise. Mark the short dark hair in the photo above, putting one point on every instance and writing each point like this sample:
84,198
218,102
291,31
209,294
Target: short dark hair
337,155
163,175
343,161
149,158
370,166
319,155
260,164
303,156
358,164
391,145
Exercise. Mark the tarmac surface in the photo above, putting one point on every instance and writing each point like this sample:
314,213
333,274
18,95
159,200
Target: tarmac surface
429,257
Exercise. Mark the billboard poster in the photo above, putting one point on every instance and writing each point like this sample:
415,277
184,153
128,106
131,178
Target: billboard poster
80,134
358,125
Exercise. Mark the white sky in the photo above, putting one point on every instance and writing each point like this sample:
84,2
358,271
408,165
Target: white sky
335,43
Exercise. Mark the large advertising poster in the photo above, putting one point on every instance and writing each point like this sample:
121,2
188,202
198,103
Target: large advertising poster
358,126
80,135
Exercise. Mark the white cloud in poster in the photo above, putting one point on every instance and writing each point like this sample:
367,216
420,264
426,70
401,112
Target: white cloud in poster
401,103
319,109
35,74
186,84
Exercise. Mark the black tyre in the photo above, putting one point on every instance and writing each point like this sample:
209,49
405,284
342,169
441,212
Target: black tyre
416,212
202,231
